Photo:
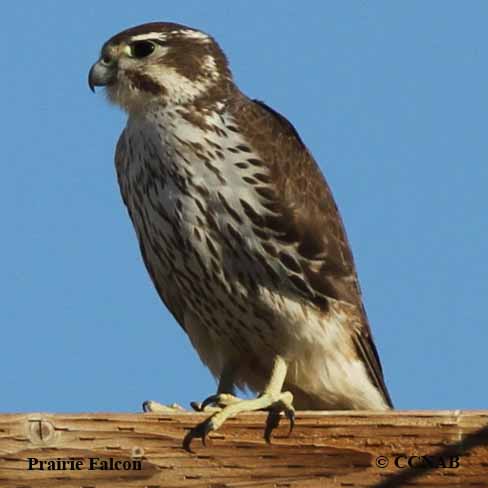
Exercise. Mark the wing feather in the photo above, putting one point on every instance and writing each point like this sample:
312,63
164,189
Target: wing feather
310,218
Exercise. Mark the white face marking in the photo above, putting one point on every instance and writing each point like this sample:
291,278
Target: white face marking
191,34
150,36
179,88
188,34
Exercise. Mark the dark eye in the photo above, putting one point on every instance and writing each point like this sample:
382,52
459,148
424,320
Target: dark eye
141,49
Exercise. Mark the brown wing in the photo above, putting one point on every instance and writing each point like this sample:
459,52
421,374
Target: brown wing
168,295
309,217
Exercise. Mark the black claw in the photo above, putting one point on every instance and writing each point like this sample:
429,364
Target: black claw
290,415
200,431
196,406
209,401
187,441
272,423
145,406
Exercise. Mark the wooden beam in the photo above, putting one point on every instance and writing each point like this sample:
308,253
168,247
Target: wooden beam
326,449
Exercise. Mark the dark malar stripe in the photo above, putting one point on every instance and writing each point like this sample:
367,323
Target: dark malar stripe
145,83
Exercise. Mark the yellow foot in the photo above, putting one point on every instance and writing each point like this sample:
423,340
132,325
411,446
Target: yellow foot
151,406
229,406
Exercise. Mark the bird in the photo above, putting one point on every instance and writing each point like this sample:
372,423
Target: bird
239,232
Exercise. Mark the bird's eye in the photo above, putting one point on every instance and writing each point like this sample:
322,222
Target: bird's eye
141,49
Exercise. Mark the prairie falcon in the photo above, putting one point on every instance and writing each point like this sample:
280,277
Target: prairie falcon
238,230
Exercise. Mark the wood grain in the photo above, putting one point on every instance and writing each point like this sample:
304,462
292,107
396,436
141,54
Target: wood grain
326,449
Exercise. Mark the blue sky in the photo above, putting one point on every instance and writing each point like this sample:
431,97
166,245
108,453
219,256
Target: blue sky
391,98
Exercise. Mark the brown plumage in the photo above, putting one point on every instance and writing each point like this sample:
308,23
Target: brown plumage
237,227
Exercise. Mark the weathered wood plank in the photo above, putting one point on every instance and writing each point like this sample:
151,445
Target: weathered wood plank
326,449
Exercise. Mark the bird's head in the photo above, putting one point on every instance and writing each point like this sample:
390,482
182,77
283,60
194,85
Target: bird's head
160,63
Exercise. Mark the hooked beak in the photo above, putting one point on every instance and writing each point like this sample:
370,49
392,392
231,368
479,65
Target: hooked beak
101,74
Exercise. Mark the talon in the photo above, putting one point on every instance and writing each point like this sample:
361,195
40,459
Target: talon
187,441
290,415
212,399
146,406
272,422
200,431
226,405
197,406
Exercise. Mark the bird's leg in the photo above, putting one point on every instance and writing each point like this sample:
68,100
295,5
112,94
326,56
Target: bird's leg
272,399
225,392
